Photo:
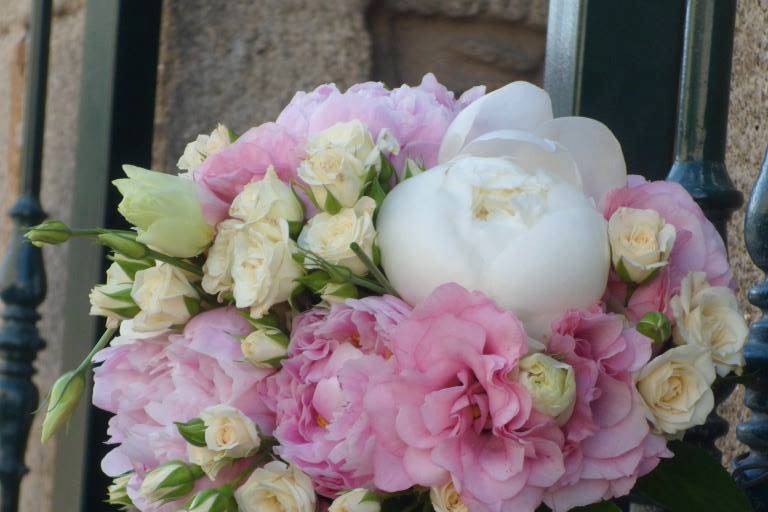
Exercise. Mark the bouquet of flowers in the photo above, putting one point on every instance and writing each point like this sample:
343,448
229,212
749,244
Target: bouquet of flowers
397,300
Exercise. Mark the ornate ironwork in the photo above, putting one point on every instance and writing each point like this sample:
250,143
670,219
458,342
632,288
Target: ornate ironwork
751,469
701,135
22,280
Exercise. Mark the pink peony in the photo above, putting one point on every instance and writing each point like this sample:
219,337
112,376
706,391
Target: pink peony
608,441
150,384
452,411
223,175
317,397
698,246
416,116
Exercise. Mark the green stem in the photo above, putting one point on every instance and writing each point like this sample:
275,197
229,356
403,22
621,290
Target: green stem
255,464
103,341
176,262
373,269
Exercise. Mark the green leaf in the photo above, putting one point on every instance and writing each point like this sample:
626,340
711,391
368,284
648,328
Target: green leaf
332,205
692,480
386,173
315,281
294,228
376,192
193,305
192,431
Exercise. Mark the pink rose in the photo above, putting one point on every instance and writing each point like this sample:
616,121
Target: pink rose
150,384
452,411
608,441
334,356
698,246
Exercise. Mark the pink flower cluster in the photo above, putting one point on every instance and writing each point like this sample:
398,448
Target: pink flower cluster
416,116
150,384
377,395
698,247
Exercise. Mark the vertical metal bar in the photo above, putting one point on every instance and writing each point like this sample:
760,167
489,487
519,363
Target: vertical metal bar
700,141
619,63
22,278
705,81
751,469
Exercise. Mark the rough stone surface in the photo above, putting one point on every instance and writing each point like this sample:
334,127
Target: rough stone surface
239,62
747,139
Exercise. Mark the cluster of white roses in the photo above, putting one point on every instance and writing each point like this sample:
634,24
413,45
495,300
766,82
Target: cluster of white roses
709,330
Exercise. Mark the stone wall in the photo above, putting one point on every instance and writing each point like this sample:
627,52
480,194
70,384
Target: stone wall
240,61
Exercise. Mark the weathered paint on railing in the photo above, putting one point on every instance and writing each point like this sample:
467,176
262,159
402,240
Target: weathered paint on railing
22,279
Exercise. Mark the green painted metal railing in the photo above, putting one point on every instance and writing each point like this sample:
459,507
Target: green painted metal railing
22,279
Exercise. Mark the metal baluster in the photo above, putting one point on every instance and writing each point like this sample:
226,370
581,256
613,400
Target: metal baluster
22,279
751,469
701,135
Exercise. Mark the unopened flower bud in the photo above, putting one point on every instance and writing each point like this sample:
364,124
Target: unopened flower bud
124,245
552,385
656,326
49,232
265,348
65,395
356,500
214,500
171,481
117,493
337,293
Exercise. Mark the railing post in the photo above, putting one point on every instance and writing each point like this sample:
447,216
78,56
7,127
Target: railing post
751,469
702,122
22,279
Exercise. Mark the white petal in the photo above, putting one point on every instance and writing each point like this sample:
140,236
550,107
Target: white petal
597,153
528,151
517,106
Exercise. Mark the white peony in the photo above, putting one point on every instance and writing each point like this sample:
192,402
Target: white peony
165,296
709,317
263,269
329,236
640,242
277,487
676,389
510,211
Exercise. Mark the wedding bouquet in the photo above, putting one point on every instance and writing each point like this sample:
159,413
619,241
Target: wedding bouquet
398,300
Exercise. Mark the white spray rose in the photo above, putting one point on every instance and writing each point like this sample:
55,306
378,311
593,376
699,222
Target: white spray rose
113,299
329,236
676,389
264,348
551,383
277,487
640,242
530,241
446,499
267,199
337,162
263,269
165,296
357,500
229,431
202,147
709,317
217,270
209,460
